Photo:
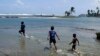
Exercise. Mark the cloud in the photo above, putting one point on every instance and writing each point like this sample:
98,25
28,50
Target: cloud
65,0
95,3
19,2
98,2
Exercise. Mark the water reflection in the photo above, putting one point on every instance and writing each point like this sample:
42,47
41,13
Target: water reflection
22,45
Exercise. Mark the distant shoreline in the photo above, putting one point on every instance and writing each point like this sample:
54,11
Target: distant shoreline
31,16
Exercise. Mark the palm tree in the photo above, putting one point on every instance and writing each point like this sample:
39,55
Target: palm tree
97,8
72,10
88,12
91,12
67,13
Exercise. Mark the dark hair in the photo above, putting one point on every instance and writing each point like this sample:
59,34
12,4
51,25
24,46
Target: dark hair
74,35
22,22
52,27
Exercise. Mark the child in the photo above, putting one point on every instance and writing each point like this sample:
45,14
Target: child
22,29
74,42
51,38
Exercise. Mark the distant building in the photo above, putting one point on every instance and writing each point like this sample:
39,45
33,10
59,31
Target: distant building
82,15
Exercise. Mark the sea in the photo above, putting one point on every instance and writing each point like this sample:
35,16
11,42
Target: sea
35,42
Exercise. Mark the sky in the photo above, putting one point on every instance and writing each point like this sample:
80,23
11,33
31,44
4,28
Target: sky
57,7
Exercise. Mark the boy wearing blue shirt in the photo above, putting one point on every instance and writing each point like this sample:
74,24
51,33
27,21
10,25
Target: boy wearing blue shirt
52,34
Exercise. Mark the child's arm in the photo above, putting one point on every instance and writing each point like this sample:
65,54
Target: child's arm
71,42
57,36
48,36
78,42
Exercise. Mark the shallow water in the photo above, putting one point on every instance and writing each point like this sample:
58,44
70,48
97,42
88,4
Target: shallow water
13,44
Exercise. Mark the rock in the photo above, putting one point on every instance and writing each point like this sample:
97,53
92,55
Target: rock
98,35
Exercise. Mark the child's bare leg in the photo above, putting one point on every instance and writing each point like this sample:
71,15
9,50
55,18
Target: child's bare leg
55,46
24,34
20,31
73,47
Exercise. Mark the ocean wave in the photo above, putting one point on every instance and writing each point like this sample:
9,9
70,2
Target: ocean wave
33,38
6,28
85,29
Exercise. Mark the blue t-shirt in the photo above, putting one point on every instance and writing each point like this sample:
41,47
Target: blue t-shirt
52,34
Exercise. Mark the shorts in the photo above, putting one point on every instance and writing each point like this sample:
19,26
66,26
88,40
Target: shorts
23,31
52,40
74,46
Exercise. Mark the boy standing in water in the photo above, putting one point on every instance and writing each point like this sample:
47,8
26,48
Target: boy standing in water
52,34
22,29
74,42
